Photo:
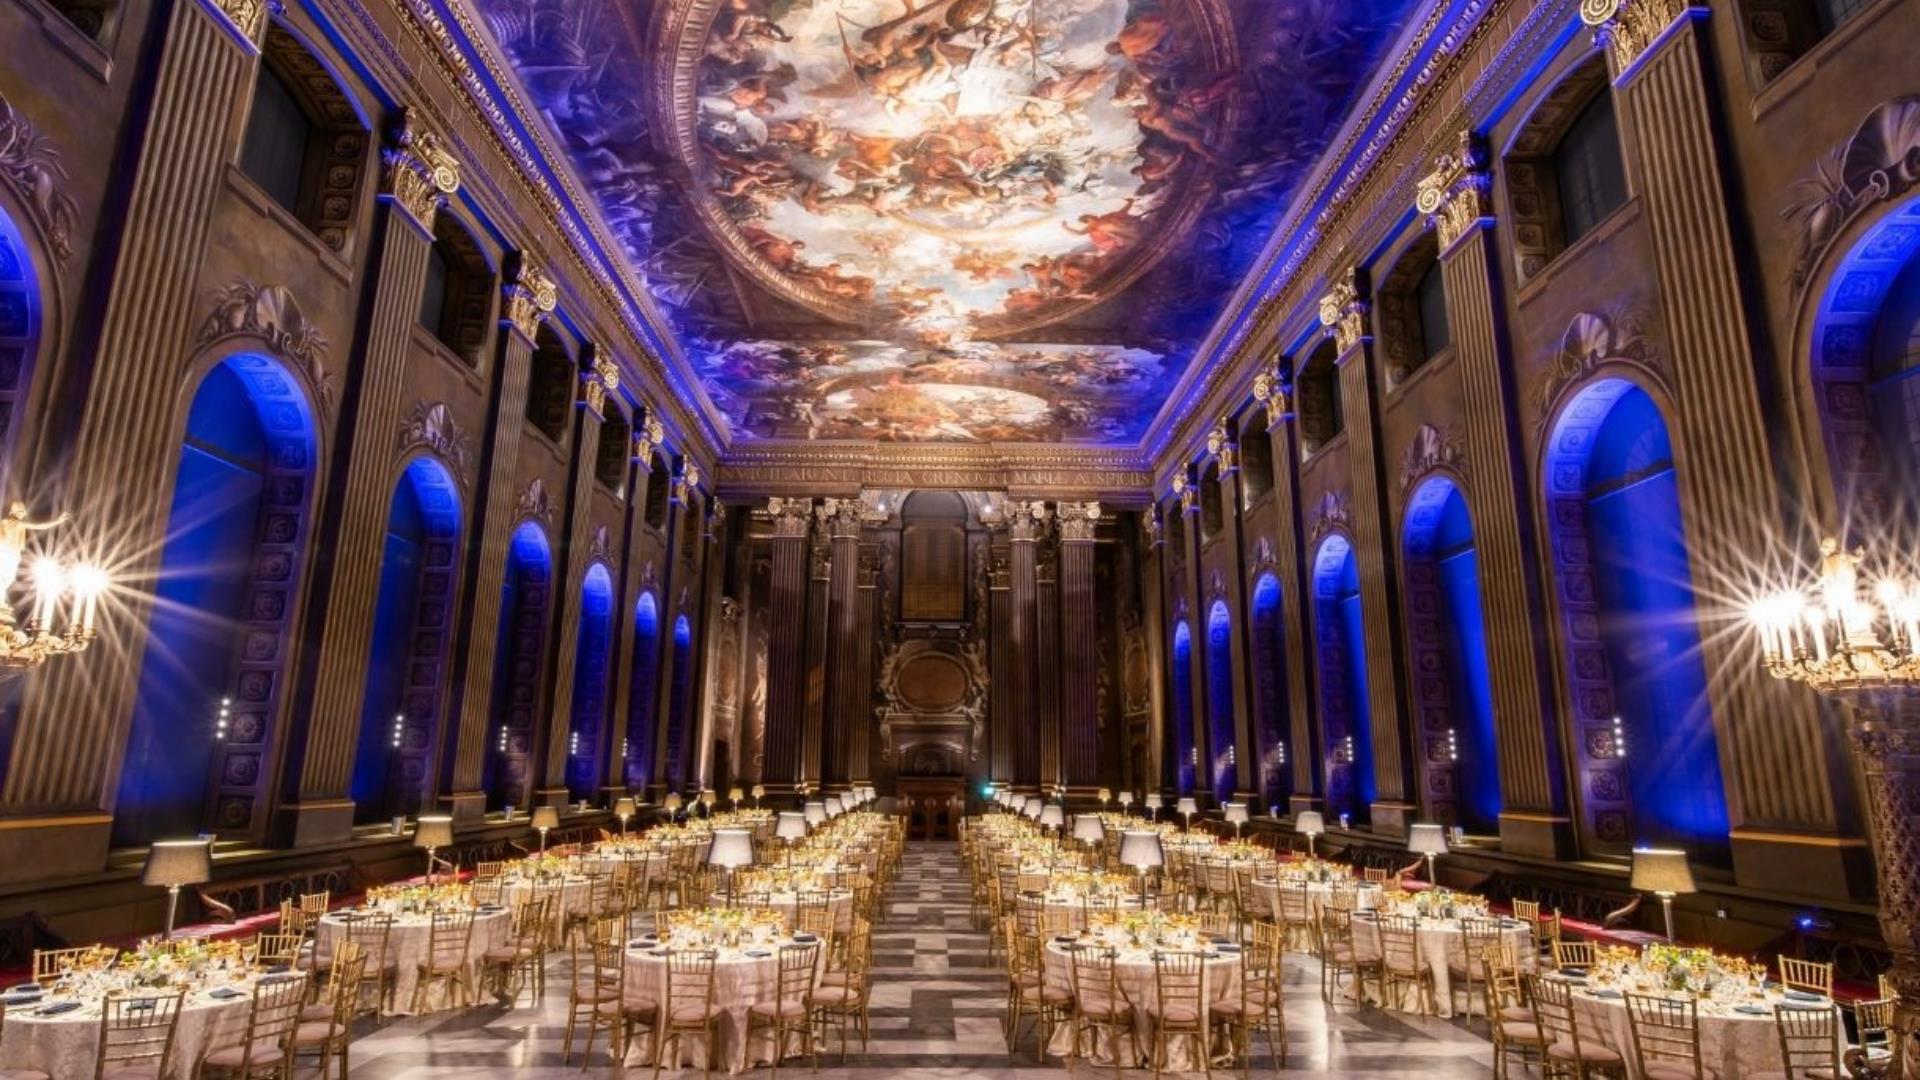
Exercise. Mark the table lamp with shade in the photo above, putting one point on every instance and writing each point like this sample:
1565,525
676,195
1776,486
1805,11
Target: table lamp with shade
790,827
1430,840
734,795
707,800
623,808
835,806
1153,804
1126,802
1052,817
433,833
1309,823
672,803
1141,850
1187,807
544,818
1235,814
815,811
1088,830
1106,796
731,849
173,863
1034,805
759,792
1665,874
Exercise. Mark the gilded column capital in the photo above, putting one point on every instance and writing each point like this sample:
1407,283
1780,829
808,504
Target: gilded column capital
1025,520
686,483
1343,312
1456,195
1273,390
420,172
841,517
792,518
1221,448
528,295
1184,491
1151,530
249,17
598,382
1628,27
646,438
1078,520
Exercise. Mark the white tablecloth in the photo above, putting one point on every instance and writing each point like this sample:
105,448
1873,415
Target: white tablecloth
1439,941
66,1045
407,945
1220,982
1731,1043
740,981
1319,897
575,893
839,903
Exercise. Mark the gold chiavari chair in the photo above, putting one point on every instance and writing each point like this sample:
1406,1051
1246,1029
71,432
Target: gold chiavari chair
1296,918
1100,1006
1029,993
265,1049
1469,969
1180,1012
1565,1054
273,950
1373,875
448,959
50,964
1513,1027
1574,954
598,901
1873,1023
1666,1037
372,934
489,868
1338,955
1260,1006
521,962
1886,987
316,903
689,1009
1401,964
1809,1043
595,999
326,1029
791,1009
136,1035
1219,925
1806,976
489,892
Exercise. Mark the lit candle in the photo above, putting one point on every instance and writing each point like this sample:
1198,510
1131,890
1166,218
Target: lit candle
1815,630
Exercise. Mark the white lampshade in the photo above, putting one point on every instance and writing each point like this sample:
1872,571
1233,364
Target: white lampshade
1309,823
731,848
1154,801
1236,813
834,806
1657,870
178,862
706,797
623,807
433,832
1186,805
1126,798
1052,816
1140,850
1033,807
815,811
546,817
791,825
734,794
759,791
1427,839
1087,828
672,801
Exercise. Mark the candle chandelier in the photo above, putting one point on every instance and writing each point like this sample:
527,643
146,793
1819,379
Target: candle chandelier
1839,636
60,601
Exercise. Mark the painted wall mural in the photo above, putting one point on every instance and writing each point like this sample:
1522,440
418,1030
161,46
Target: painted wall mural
953,220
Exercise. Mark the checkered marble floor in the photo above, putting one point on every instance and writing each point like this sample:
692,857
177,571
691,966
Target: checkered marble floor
936,1014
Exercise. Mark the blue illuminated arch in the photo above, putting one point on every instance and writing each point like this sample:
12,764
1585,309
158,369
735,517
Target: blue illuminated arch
224,602
641,694
1183,745
407,659
679,703
1345,709
519,667
1270,693
1220,720
592,645
21,320
1447,650
1633,640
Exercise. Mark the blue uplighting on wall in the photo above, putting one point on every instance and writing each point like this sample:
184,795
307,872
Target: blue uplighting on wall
517,668
391,653
1440,536
640,696
1220,699
200,595
1270,683
1183,709
1343,644
591,648
679,698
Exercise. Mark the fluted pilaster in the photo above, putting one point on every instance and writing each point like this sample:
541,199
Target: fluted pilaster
786,640
1079,646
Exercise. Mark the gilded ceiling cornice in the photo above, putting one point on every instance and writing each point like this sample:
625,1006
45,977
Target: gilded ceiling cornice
432,35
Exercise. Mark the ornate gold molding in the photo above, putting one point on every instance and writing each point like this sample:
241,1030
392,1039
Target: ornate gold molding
249,17
272,313
1078,520
1456,195
1221,448
1628,27
791,517
1272,390
646,438
1343,313
600,380
686,483
528,295
420,173
1183,490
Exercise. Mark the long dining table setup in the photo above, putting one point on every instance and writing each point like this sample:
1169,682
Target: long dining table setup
720,943
1132,943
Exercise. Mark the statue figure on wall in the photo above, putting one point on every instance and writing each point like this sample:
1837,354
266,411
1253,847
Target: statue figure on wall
13,545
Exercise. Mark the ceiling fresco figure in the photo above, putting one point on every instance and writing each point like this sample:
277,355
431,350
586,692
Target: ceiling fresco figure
943,220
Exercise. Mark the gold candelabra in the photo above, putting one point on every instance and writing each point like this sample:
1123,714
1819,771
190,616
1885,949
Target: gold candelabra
26,644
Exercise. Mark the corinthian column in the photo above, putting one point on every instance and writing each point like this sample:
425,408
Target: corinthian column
787,641
848,691
1079,648
348,547
1026,521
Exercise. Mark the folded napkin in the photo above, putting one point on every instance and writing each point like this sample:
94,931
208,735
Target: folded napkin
56,1008
225,993
26,988
1802,995
1751,1010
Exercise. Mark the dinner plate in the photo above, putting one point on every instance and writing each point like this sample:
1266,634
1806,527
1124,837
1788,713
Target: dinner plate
225,993
56,1008
805,939
26,988
1607,995
1751,1010
1802,995
758,954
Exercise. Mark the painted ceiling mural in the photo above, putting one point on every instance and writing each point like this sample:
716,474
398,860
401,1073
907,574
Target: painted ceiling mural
943,220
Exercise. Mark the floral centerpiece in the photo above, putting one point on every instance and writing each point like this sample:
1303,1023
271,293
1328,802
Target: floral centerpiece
1142,928
707,927
420,899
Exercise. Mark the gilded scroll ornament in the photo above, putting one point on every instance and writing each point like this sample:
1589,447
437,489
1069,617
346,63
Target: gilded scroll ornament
432,425
1457,193
535,502
530,296
647,439
271,312
686,483
1272,389
420,172
248,17
1078,520
1221,448
1343,312
1628,27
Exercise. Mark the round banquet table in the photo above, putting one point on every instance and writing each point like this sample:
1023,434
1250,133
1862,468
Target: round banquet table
1439,941
742,978
839,904
575,893
407,945
1736,1039
65,1044
1133,968
1319,896
1076,907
